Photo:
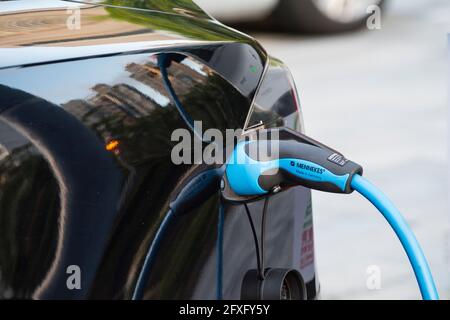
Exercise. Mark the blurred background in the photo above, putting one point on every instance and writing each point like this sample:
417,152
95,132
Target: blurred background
380,97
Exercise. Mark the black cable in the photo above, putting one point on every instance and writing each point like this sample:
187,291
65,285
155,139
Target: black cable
255,238
263,236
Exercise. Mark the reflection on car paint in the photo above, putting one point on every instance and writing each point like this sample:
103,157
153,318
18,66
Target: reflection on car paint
85,141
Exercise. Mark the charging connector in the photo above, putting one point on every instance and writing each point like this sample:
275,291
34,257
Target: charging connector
302,161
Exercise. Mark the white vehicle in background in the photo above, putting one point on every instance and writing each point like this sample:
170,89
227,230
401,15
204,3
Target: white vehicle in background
309,16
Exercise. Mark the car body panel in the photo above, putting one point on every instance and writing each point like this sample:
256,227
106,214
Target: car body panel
85,159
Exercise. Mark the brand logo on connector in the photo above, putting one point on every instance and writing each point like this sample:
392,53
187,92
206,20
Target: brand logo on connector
306,167
337,159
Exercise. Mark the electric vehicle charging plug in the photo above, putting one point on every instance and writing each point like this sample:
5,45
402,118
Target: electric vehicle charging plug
252,172
255,168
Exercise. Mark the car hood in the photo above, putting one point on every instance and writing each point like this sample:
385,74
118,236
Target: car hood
35,32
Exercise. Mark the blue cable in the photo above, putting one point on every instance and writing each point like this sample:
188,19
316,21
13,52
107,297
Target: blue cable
168,86
404,233
219,249
150,257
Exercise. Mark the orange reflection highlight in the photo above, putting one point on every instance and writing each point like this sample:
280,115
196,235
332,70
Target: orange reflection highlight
112,145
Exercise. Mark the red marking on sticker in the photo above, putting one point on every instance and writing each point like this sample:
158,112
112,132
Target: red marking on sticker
307,253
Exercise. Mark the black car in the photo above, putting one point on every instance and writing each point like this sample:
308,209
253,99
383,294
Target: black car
90,95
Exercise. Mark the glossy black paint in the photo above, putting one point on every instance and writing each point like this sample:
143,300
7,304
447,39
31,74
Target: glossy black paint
86,175
86,201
